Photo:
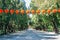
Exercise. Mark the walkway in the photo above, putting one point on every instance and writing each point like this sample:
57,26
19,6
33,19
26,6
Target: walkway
30,35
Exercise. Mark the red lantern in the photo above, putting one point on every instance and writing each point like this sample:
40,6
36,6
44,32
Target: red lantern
22,11
1,11
48,11
27,11
17,11
54,10
43,11
32,11
37,11
6,11
11,11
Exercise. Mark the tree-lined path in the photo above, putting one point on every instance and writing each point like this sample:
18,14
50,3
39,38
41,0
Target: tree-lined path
19,15
30,35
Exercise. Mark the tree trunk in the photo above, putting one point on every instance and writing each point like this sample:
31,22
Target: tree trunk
43,27
55,22
55,27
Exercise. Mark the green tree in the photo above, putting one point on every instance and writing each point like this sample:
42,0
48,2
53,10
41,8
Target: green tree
12,23
52,19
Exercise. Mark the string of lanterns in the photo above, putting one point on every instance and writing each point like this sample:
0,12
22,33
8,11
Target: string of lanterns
12,11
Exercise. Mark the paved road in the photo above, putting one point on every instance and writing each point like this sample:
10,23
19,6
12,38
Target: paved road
30,35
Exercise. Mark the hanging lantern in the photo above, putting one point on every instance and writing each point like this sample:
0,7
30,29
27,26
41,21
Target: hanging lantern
59,10
54,10
43,11
17,11
32,11
6,11
11,11
22,11
38,11
1,11
27,11
48,11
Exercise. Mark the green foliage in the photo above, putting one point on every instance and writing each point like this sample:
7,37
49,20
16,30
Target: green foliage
12,23
46,22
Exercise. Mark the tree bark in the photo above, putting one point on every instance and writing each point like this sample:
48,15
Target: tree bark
55,27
